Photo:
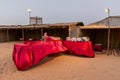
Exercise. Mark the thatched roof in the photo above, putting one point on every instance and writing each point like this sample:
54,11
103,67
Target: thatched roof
99,27
31,26
57,25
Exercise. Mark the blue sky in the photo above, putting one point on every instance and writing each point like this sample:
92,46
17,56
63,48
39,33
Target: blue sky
14,12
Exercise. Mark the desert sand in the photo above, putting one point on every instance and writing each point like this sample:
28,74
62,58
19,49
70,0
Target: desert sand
61,67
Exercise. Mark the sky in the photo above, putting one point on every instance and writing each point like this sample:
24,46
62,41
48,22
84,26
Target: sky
14,12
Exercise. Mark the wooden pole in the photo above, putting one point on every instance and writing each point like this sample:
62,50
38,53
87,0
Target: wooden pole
41,32
7,34
23,36
108,46
70,30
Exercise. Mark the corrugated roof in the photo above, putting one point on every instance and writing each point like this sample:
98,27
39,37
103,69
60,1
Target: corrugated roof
114,22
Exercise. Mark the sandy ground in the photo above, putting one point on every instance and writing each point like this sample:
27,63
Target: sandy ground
62,67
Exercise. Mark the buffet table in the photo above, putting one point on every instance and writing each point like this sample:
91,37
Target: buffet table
30,53
79,48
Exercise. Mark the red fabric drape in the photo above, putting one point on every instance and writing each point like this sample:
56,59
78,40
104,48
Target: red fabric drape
79,48
30,53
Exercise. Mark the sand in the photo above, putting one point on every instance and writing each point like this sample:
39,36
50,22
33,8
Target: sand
61,67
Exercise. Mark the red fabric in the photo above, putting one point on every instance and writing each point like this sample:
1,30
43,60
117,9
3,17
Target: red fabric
48,38
22,56
98,48
27,55
59,45
79,48
30,42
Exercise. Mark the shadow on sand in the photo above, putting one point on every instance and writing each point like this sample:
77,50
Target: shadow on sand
46,59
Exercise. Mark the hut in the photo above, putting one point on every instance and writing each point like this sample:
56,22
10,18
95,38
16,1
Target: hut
23,32
98,32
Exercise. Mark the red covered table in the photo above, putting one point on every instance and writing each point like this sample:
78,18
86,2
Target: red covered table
98,47
28,54
79,48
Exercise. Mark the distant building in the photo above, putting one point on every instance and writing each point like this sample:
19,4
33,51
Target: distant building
98,31
36,20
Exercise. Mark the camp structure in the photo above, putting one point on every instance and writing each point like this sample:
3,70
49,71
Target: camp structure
24,32
98,32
